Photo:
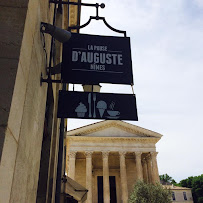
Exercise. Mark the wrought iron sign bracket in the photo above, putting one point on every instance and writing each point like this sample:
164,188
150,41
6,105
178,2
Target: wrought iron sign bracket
97,17
55,70
48,80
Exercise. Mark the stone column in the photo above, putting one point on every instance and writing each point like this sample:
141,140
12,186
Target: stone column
124,186
138,165
106,186
71,171
145,173
155,176
149,168
89,176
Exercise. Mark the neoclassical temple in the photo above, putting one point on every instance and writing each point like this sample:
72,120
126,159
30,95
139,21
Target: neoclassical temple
109,157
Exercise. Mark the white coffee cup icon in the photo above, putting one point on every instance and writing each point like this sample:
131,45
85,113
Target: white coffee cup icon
113,113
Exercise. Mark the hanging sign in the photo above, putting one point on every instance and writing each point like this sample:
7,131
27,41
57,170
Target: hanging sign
93,59
91,105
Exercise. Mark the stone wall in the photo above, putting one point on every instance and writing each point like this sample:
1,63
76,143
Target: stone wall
131,173
12,20
80,171
23,100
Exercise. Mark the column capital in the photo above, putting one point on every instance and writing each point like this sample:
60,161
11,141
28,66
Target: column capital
138,154
72,154
105,154
154,154
148,157
88,154
122,153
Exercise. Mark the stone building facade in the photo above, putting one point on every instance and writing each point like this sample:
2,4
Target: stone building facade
180,194
109,157
29,128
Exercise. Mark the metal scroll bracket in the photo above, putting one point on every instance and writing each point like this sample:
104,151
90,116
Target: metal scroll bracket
48,80
97,17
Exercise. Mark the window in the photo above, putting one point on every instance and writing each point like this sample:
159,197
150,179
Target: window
173,196
184,195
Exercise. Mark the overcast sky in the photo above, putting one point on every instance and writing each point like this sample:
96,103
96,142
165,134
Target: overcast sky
167,53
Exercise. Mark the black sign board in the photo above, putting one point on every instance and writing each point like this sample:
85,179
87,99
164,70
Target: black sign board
90,105
93,59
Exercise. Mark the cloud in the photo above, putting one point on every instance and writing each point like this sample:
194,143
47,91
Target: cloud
199,3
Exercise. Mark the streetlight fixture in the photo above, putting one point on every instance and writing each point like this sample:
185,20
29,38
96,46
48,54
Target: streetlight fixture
58,33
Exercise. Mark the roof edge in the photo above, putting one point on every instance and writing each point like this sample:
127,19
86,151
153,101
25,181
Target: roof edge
84,130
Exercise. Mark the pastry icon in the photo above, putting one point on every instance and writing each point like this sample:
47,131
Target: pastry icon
81,110
102,106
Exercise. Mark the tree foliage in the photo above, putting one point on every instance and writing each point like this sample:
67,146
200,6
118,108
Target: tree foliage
196,183
167,179
145,193
187,182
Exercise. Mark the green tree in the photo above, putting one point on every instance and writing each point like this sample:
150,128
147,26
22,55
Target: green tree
200,200
145,193
167,179
196,183
197,188
173,182
187,182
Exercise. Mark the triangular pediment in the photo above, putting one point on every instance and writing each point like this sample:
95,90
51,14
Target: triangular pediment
113,129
